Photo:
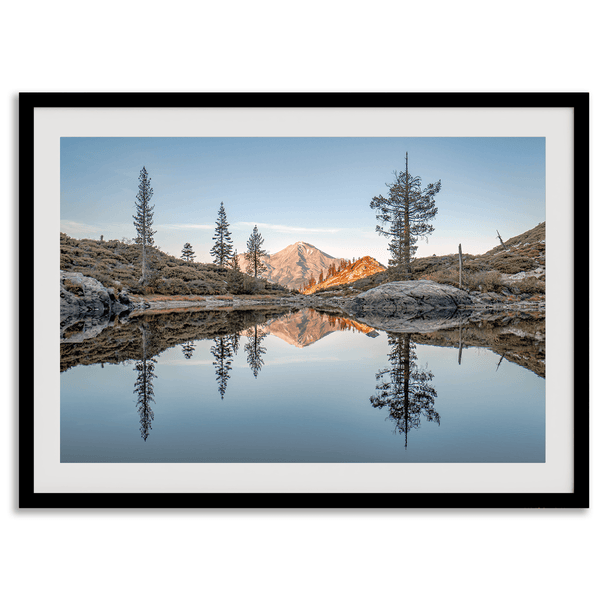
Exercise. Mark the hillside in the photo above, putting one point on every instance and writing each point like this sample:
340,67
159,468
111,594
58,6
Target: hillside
519,268
295,265
361,268
115,264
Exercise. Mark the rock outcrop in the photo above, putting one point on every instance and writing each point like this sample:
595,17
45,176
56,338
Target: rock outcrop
410,306
85,295
417,297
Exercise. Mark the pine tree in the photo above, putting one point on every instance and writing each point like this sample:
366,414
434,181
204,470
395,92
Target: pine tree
223,248
405,216
395,246
255,254
235,279
143,220
187,253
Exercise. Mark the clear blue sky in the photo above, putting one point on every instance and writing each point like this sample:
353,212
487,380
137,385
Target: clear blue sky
315,190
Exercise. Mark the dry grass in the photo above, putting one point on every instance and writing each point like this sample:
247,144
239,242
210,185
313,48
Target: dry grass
526,252
74,288
116,264
529,285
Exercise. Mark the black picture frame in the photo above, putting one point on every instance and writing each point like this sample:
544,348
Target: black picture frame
578,498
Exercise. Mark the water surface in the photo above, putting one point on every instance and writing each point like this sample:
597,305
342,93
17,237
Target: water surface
252,386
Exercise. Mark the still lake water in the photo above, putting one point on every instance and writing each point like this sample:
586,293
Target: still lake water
304,387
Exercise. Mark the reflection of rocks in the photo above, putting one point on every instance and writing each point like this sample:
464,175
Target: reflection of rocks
88,339
407,301
518,338
416,323
78,328
80,294
120,339
518,335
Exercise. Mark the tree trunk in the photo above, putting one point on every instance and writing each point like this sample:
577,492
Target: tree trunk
406,386
143,263
459,266
406,259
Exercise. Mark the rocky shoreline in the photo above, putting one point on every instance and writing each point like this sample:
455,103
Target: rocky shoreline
412,305
470,301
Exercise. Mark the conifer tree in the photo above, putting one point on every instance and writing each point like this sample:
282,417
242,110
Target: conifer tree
404,216
143,220
395,246
223,247
255,254
187,253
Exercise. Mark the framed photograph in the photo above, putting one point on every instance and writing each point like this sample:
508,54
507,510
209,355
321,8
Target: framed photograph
304,300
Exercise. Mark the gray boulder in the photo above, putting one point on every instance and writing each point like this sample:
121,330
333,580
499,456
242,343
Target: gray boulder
80,294
409,296
411,306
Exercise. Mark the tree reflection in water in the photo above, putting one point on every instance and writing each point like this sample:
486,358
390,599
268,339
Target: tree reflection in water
403,388
144,388
254,350
222,350
188,349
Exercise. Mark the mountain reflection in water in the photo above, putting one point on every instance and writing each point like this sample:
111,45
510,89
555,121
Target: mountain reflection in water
338,373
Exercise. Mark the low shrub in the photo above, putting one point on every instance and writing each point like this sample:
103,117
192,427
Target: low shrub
492,282
105,279
444,276
529,285
172,286
510,265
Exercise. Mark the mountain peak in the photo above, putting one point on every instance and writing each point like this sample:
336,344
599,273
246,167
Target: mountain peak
349,272
296,264
300,246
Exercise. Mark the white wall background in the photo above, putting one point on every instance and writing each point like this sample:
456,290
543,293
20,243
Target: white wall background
278,46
